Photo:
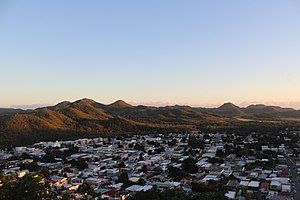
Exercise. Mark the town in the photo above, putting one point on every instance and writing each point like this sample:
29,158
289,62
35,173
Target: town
192,164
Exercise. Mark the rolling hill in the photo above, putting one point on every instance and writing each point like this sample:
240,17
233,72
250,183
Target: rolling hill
8,111
88,118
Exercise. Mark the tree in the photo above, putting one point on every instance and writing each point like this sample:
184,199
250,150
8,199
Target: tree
139,147
200,187
130,145
173,194
67,196
141,181
43,172
149,195
144,169
29,187
122,164
80,164
170,194
173,142
176,173
159,150
189,165
220,153
86,189
215,160
32,167
158,170
123,178
196,143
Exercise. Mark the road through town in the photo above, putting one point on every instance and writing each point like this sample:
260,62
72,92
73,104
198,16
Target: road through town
296,185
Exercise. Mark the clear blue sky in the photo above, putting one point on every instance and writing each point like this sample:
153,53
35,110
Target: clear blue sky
172,51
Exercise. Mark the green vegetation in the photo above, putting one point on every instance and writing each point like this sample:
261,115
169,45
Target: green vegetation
29,187
86,189
178,194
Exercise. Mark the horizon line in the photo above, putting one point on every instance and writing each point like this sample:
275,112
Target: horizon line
291,104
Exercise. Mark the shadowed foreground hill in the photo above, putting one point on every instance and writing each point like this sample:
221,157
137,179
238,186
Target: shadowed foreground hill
87,118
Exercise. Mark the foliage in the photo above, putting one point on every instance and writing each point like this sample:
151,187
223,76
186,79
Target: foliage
139,147
163,195
177,194
189,165
200,187
29,187
86,189
123,178
80,164
177,173
32,167
196,143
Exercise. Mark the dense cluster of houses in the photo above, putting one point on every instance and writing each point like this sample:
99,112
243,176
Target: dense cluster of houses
146,161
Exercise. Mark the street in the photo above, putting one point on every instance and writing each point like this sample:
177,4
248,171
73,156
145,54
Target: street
295,180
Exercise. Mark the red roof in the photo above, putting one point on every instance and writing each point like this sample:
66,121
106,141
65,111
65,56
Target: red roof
265,185
112,192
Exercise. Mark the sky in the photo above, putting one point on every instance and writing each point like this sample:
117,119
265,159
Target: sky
195,52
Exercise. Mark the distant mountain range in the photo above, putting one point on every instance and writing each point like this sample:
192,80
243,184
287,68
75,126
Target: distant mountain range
256,112
85,117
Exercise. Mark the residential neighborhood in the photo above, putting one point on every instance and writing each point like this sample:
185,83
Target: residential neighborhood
230,165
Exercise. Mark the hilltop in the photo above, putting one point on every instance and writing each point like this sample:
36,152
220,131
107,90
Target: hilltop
88,118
